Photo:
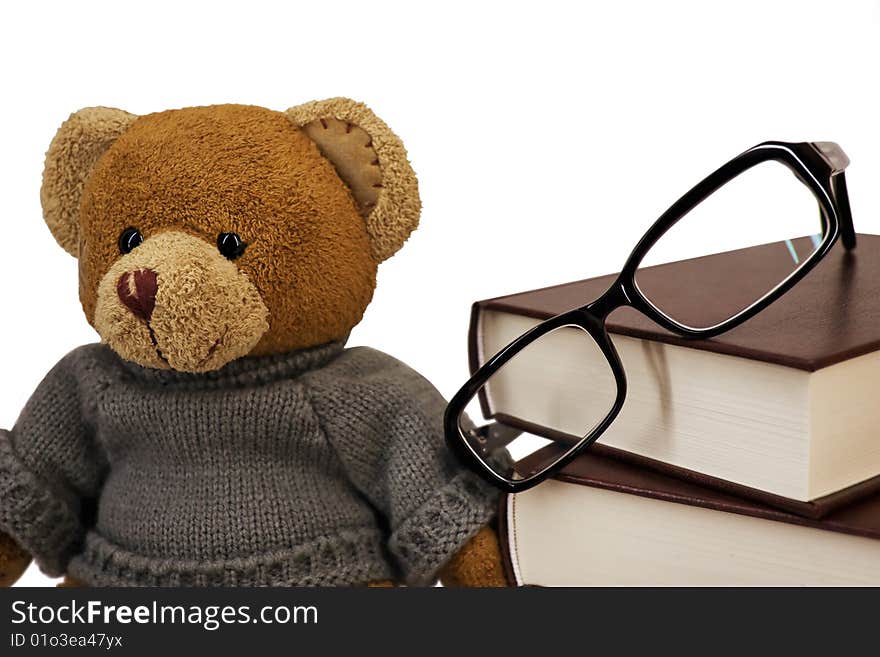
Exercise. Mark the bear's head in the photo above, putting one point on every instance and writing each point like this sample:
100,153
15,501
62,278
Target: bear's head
209,233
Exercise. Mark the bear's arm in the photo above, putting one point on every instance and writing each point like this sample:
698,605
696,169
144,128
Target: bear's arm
48,464
385,422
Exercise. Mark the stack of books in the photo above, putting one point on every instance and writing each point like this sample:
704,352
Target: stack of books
748,459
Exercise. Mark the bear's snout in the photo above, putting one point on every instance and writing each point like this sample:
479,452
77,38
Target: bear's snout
175,301
137,292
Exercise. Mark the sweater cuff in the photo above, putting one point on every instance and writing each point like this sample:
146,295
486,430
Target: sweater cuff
38,520
442,526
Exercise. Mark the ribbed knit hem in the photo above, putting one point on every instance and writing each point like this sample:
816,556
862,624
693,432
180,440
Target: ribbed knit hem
30,513
434,533
348,558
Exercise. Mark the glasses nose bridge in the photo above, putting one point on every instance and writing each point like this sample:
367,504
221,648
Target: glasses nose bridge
613,298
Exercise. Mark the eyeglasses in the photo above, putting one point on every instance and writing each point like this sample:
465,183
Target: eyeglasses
541,412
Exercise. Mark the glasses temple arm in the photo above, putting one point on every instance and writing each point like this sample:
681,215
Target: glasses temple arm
838,161
495,436
841,198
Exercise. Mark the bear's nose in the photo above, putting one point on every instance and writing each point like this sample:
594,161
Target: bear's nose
137,291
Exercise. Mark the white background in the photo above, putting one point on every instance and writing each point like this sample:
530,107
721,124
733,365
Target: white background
546,135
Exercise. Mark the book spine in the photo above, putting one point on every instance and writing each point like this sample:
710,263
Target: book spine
474,338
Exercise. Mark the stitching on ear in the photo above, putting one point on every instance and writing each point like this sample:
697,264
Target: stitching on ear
397,204
351,151
76,147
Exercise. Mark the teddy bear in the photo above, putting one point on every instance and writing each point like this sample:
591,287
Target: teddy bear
221,433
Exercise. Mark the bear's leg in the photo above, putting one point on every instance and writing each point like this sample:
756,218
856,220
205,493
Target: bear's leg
71,583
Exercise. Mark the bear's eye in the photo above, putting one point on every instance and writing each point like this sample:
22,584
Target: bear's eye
130,239
230,245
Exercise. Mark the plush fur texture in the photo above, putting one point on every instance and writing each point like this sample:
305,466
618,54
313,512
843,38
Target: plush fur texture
207,312
13,561
478,563
245,170
83,138
396,211
320,194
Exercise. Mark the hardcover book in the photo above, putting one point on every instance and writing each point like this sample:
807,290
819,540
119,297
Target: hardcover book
783,409
607,522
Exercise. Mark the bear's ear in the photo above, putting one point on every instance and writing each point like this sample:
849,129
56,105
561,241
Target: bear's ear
77,145
372,161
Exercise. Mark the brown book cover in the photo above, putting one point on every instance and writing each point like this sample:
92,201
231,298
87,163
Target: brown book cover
861,518
830,316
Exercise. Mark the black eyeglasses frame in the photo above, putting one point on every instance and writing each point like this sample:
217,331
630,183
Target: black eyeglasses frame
818,165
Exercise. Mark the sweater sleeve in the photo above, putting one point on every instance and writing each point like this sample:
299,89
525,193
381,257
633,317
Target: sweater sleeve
385,423
48,466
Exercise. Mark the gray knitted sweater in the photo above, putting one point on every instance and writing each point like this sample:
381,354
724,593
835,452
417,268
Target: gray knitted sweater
324,466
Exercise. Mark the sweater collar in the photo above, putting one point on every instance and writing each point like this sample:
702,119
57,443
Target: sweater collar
243,371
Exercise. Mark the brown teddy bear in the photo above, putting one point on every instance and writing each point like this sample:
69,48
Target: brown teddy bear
221,434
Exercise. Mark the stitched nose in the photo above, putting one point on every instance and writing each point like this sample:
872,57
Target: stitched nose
137,291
